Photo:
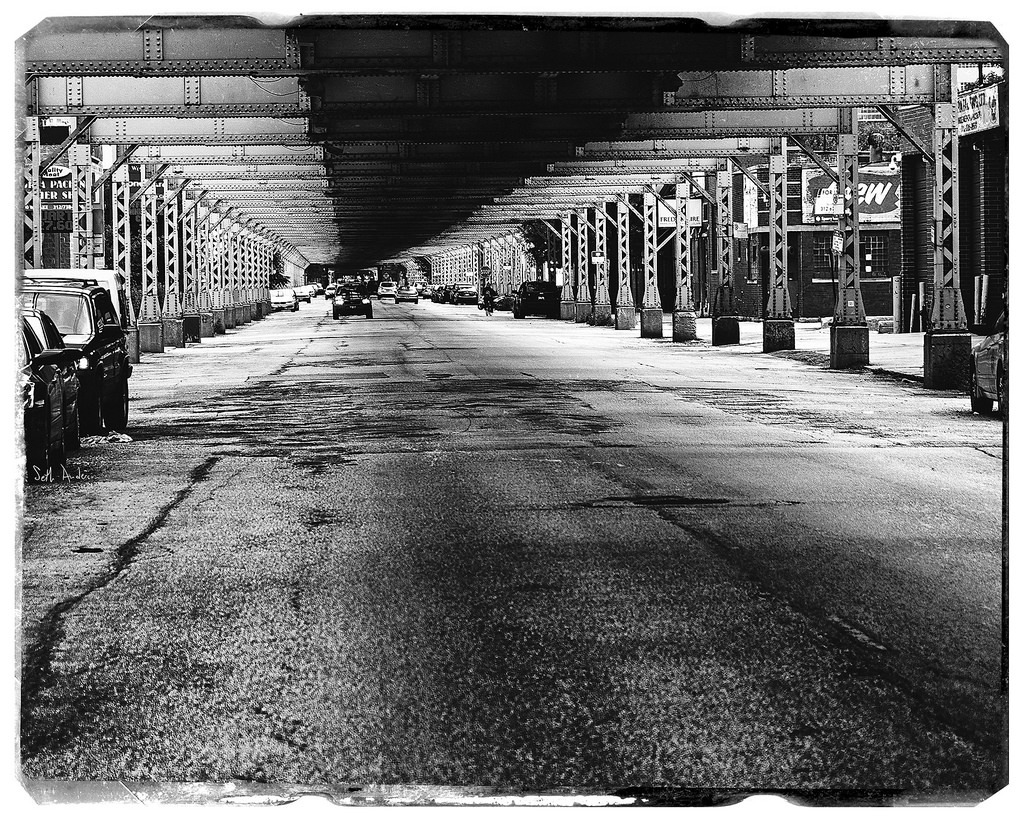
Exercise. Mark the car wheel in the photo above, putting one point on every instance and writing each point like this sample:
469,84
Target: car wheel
115,410
295,308
979,403
369,311
337,315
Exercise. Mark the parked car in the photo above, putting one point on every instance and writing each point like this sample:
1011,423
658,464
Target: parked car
503,302
318,289
989,383
387,290
464,294
46,336
284,299
84,315
407,294
426,291
111,280
329,291
43,402
536,298
305,293
350,300
440,295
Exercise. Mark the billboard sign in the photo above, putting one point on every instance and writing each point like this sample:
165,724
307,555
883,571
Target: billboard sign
878,195
55,188
977,111
667,219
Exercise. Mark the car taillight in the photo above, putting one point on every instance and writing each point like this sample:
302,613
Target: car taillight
83,363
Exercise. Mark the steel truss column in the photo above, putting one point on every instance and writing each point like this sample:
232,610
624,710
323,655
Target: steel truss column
684,317
582,308
191,321
33,202
725,328
204,260
80,159
121,250
849,332
778,331
174,335
228,274
151,326
625,309
602,316
215,262
244,276
568,304
651,313
947,342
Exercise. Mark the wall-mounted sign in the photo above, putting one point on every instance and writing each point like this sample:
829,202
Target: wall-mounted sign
977,111
878,195
692,215
55,188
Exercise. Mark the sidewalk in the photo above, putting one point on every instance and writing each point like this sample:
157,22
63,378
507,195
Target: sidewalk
899,354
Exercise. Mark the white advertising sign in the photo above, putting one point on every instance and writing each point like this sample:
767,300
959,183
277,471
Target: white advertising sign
977,111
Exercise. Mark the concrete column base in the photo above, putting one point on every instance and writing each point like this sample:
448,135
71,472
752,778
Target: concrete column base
151,336
568,311
257,310
602,315
849,346
684,325
243,314
650,322
625,318
230,318
174,332
267,309
947,361
192,327
219,317
132,337
778,334
725,330
582,311
206,326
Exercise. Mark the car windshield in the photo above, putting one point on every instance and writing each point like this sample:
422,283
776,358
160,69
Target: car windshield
70,312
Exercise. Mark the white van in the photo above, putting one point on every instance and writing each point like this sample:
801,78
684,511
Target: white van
111,280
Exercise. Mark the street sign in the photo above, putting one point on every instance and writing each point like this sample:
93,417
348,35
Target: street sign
837,241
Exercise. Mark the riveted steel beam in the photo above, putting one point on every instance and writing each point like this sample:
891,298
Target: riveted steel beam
852,48
805,87
143,49
167,96
245,131
631,166
662,128
682,148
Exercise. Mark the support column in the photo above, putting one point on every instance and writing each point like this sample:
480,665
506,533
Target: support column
725,328
191,322
33,202
172,316
568,289
947,342
778,330
151,326
602,315
228,277
684,317
849,333
80,159
625,310
204,259
218,278
583,307
651,313
121,248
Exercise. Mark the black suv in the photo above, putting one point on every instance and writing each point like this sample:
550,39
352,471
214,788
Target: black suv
537,298
86,319
349,299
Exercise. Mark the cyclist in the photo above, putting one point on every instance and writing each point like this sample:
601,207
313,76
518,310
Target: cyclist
489,294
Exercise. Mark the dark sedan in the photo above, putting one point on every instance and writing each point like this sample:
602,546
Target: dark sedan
536,298
349,300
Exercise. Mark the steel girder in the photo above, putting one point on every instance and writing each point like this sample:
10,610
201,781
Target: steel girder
178,96
850,47
245,132
664,127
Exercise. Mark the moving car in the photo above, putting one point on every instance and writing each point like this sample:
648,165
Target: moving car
284,299
387,290
988,370
350,300
84,315
305,293
464,294
407,293
45,336
536,298
330,290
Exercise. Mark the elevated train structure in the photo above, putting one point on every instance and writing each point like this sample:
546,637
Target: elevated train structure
201,155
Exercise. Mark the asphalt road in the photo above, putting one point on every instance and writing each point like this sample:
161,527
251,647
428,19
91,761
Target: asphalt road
437,548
